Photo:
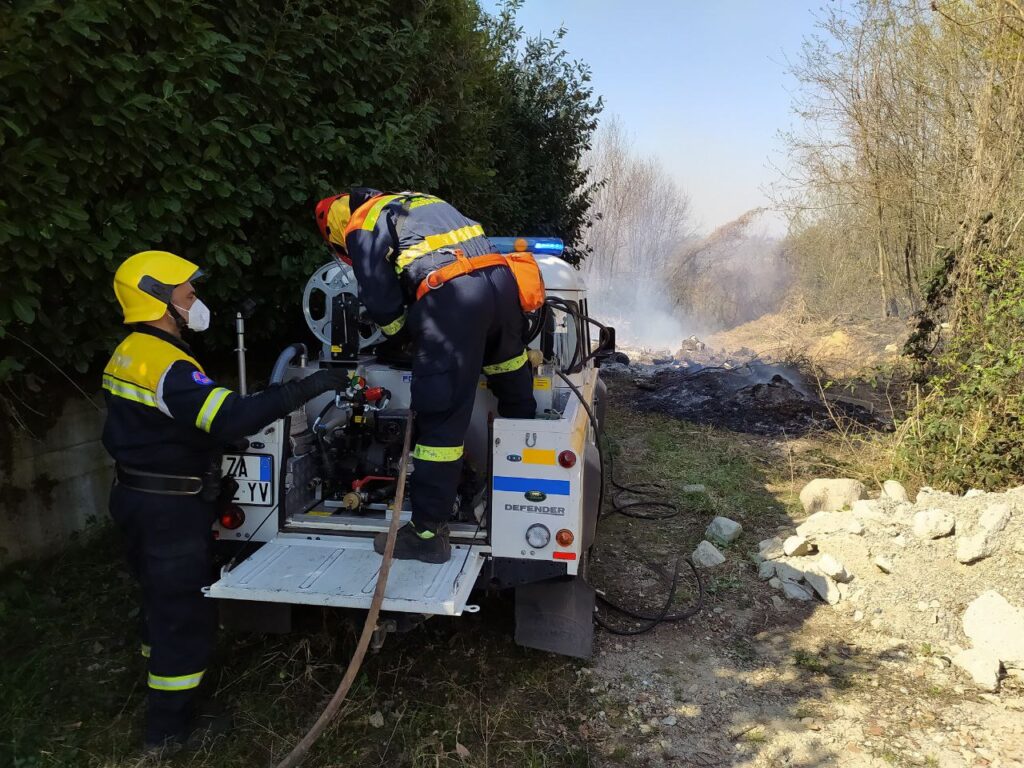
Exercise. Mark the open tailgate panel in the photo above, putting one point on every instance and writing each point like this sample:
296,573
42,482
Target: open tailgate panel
342,572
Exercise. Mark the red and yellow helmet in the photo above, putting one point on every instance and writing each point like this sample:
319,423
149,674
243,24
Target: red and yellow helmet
332,217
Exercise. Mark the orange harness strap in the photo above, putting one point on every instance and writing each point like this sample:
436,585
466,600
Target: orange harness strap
461,266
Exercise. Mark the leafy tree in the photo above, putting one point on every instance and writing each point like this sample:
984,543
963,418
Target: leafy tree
211,128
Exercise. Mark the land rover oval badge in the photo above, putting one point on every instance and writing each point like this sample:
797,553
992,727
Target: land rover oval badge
535,495
514,457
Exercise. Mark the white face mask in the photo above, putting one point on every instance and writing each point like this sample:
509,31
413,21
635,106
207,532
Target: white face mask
197,317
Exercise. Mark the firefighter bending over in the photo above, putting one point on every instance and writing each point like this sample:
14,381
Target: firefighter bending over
425,269
167,426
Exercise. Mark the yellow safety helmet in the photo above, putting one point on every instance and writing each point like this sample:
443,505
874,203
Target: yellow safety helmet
144,282
332,217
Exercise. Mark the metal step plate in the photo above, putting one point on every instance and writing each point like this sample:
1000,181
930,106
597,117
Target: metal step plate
342,572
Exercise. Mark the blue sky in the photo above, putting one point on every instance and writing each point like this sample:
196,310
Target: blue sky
699,85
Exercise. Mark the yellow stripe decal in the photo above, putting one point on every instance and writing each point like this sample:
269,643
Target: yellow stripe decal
206,415
129,391
433,242
537,456
180,683
508,366
421,201
394,326
374,213
436,453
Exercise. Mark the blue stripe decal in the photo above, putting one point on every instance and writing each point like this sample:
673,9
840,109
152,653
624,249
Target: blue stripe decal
524,484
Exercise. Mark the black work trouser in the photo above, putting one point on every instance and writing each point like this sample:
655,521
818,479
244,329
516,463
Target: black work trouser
469,325
170,551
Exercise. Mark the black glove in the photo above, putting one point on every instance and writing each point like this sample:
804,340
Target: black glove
297,392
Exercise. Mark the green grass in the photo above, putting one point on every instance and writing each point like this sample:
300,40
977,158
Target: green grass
72,682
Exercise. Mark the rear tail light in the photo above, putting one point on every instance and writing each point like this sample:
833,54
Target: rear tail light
567,459
564,538
232,517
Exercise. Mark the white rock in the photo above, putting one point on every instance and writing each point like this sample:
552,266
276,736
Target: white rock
994,518
695,488
707,556
826,587
822,524
787,572
883,563
982,666
982,540
669,721
870,511
996,626
833,568
771,549
723,530
778,603
765,570
933,524
829,495
844,591
797,546
775,582
894,490
858,615
794,591
376,720
974,493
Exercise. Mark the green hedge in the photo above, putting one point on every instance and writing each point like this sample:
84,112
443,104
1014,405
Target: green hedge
211,128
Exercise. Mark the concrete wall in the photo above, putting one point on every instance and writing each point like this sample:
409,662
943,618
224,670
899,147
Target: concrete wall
54,486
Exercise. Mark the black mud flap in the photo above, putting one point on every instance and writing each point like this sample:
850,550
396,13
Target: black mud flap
556,616
252,616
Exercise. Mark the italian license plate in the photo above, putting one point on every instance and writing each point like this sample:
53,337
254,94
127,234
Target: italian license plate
254,474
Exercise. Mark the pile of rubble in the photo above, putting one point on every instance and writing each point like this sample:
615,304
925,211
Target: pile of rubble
736,390
945,573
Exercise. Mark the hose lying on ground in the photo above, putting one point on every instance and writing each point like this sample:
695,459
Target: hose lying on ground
298,753
629,509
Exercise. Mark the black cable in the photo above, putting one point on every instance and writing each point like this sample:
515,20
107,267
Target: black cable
651,620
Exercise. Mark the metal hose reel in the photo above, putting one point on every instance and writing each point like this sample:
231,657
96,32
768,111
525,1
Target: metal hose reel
330,304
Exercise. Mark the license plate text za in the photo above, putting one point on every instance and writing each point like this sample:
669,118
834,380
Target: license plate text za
255,477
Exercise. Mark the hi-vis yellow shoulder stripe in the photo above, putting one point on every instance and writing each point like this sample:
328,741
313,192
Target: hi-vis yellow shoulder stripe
433,242
374,213
128,391
206,415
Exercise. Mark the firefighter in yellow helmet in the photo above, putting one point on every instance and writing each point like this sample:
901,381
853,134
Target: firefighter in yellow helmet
166,428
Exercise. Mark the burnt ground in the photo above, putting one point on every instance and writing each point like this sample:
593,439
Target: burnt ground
762,398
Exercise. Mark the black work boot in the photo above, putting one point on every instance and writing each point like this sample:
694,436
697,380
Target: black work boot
411,544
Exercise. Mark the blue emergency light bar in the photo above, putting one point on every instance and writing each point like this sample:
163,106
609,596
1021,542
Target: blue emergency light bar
536,245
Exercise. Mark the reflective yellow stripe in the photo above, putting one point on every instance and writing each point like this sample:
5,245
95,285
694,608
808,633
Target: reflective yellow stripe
508,366
204,420
394,326
180,683
374,213
129,391
421,201
433,242
435,453
145,650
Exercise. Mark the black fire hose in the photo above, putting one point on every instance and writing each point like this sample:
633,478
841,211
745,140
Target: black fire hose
629,509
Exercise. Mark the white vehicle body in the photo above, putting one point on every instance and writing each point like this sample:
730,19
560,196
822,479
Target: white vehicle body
303,546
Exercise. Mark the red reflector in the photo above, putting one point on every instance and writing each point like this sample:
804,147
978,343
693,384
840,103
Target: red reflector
232,517
567,459
564,555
